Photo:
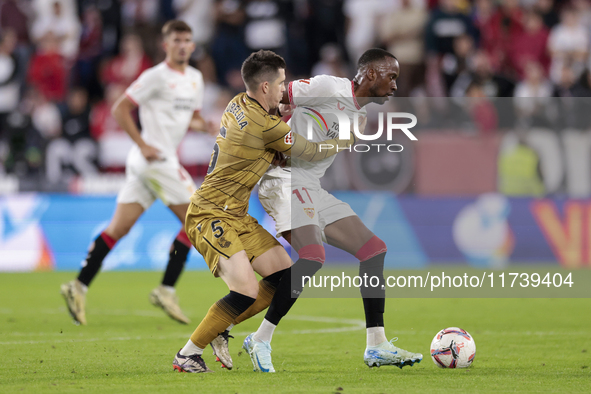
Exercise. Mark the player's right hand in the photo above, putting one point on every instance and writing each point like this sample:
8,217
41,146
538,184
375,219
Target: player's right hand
286,109
150,153
346,143
279,159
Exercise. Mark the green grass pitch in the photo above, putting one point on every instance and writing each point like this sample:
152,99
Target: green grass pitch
523,345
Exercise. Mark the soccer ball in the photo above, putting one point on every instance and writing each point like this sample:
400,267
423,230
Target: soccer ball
453,348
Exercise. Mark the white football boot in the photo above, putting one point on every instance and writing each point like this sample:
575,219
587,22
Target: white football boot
169,302
260,354
387,354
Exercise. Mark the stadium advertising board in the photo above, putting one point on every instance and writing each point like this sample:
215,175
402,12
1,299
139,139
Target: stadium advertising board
44,232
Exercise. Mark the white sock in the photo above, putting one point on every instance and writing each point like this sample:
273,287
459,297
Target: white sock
190,348
230,327
265,332
375,336
169,288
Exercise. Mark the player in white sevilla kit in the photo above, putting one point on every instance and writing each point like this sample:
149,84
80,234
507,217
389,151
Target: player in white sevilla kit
300,182
169,96
305,214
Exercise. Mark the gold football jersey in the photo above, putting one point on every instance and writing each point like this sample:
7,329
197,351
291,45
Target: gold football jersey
249,137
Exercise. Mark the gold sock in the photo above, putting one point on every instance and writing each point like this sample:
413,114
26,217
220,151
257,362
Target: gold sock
266,292
218,318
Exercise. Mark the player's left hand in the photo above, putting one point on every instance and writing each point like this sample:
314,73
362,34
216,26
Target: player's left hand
151,153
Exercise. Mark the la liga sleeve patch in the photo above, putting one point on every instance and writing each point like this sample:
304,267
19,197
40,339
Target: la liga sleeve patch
288,139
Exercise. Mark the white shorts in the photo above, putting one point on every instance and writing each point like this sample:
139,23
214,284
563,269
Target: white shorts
300,206
145,182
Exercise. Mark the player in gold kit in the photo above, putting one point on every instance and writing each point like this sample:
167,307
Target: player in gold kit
232,243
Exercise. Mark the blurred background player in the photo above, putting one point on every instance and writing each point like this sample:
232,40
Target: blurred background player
233,244
169,96
305,213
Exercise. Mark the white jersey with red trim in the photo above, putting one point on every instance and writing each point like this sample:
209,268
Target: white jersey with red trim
167,99
312,97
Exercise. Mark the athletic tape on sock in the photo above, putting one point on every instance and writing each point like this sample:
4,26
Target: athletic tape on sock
313,253
183,238
109,241
371,248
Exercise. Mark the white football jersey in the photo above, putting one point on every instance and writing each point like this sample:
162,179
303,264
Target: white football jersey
167,100
311,97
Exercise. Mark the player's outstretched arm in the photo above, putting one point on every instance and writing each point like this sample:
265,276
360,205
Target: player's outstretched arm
280,138
316,151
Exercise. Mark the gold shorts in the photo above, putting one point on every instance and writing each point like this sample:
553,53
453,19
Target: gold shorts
214,233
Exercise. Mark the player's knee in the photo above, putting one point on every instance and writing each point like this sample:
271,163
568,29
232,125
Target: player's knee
250,290
238,301
253,293
371,248
313,253
276,277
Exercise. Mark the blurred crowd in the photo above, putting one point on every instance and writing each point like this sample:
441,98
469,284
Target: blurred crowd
64,62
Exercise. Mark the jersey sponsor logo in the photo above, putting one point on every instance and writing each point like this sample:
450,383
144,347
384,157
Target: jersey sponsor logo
339,107
310,212
306,81
318,118
288,139
331,131
236,110
183,104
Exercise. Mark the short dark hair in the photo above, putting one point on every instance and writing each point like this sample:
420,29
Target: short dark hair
175,26
261,66
373,55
